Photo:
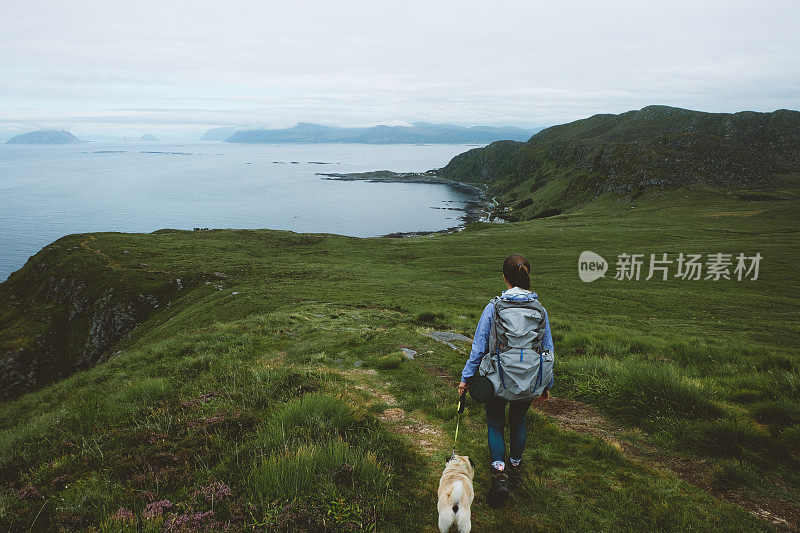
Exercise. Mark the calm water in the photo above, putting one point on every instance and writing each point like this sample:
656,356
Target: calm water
50,191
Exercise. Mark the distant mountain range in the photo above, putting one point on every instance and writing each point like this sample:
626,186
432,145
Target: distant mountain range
44,137
419,132
634,153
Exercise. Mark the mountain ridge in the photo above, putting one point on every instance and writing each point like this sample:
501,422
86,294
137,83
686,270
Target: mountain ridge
635,153
418,132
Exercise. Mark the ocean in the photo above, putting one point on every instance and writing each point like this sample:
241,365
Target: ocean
48,191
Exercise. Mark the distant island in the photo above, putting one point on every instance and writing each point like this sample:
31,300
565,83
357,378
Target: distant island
44,137
417,133
149,137
219,134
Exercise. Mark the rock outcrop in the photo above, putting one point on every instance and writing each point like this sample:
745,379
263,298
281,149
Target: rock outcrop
65,310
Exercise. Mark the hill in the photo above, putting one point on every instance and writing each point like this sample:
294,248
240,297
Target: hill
419,132
269,388
634,153
44,137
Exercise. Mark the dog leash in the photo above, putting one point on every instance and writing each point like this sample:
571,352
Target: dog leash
460,410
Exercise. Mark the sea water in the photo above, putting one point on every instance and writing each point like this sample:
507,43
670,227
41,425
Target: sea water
48,191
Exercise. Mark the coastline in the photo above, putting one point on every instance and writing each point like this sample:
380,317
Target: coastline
478,210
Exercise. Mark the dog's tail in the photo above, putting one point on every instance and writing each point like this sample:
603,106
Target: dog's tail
455,495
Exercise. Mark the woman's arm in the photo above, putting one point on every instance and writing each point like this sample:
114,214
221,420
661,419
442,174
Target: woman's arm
480,344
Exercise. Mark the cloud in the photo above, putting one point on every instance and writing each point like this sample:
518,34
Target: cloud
202,63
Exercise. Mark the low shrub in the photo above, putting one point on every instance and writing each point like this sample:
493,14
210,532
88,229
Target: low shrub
790,437
731,474
311,418
728,437
91,498
746,395
775,362
643,345
782,411
577,343
387,362
268,385
643,390
547,213
524,203
586,378
327,467
143,393
431,319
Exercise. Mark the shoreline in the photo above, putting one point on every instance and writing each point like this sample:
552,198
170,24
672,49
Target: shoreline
476,210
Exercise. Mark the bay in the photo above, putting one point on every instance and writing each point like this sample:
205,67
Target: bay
47,192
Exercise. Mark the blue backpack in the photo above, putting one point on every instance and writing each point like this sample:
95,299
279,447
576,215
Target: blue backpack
515,363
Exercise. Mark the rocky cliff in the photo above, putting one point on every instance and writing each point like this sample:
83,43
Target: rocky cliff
67,307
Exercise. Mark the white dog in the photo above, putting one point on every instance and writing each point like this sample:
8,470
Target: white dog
456,494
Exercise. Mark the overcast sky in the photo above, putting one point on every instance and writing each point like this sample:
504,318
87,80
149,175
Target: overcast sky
180,67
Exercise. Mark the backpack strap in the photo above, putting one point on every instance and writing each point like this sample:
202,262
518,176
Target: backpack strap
492,347
539,375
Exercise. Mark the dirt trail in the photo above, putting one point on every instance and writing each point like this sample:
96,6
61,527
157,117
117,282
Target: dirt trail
425,435
112,263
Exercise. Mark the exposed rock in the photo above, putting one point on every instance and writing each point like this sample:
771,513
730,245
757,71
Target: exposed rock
446,337
408,353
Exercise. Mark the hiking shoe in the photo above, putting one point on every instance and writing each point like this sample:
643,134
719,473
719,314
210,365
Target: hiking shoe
498,493
514,473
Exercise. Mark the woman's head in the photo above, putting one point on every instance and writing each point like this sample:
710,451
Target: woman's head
517,271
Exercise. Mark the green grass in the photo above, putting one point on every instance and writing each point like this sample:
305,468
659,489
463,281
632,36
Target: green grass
260,390
328,466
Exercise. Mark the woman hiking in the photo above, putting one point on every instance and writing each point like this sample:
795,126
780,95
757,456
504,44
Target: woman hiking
514,331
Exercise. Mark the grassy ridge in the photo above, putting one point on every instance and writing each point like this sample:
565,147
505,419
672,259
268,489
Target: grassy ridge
276,398
636,153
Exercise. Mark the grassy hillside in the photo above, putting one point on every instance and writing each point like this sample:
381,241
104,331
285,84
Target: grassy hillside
648,151
271,393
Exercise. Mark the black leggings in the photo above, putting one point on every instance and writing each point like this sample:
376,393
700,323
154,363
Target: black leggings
496,421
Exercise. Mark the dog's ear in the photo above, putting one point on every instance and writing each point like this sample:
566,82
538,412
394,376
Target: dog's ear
471,462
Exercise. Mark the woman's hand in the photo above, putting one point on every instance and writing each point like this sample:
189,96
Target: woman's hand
545,395
462,388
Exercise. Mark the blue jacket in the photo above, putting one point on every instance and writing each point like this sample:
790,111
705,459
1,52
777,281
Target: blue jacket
480,343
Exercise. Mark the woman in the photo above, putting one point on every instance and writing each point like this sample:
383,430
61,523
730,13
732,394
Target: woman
516,274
